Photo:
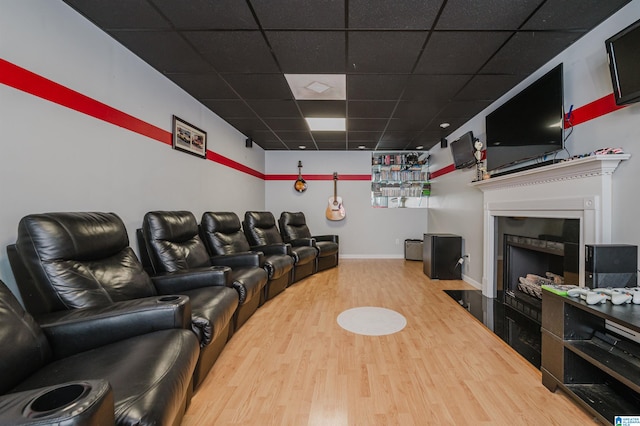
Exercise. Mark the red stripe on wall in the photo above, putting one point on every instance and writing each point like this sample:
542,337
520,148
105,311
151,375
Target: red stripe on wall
595,109
233,164
318,177
443,171
26,81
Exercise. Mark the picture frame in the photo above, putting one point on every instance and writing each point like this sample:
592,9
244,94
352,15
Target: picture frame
188,138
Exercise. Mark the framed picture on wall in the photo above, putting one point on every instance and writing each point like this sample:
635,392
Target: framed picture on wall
188,138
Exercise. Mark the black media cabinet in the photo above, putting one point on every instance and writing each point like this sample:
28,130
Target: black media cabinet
597,367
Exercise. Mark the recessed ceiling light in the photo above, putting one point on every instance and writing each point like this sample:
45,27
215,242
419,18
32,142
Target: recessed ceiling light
324,124
302,147
361,147
419,146
444,125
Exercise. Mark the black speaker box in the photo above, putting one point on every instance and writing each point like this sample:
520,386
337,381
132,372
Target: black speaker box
248,143
611,265
443,142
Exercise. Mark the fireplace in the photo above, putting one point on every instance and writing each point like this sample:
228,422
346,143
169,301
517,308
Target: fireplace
535,251
577,190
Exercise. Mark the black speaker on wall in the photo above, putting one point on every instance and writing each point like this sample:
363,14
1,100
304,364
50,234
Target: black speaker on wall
611,265
443,142
248,143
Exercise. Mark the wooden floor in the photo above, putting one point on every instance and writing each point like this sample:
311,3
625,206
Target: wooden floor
292,364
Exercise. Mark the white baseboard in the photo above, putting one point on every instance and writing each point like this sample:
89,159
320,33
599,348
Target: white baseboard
371,256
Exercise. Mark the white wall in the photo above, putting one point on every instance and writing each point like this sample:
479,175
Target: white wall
57,159
455,207
366,231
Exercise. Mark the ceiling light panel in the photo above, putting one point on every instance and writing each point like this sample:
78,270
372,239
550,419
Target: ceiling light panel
323,124
318,86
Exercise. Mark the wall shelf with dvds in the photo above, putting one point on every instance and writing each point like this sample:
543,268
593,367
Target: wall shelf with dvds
399,179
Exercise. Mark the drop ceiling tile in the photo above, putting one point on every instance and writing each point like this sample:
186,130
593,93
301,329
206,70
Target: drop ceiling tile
416,110
371,109
206,14
295,136
247,126
324,137
572,14
356,136
488,87
265,136
165,51
323,108
272,145
415,124
428,139
309,52
434,88
121,14
398,136
459,52
287,124
375,87
229,108
492,14
366,124
398,145
299,14
204,86
528,51
378,51
384,14
234,51
260,86
275,109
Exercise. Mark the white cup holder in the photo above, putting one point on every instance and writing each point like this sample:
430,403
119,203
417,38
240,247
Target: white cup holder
56,400
168,298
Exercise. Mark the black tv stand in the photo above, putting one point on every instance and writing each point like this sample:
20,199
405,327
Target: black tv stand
527,167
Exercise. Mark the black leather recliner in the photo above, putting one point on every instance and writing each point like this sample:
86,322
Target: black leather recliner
171,241
128,364
261,229
65,261
223,236
294,230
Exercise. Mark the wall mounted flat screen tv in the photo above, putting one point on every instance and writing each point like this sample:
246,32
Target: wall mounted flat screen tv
463,151
529,125
623,51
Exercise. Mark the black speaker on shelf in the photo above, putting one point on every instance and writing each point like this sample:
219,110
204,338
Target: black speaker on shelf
443,142
611,265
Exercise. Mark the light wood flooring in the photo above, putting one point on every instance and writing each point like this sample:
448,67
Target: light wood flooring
291,364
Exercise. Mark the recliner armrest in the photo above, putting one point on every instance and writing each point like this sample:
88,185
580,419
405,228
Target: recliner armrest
178,282
310,242
283,248
86,402
333,238
78,330
248,258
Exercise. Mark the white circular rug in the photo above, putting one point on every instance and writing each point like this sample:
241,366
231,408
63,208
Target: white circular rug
371,321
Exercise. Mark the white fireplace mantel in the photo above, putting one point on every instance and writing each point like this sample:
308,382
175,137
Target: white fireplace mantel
575,189
595,165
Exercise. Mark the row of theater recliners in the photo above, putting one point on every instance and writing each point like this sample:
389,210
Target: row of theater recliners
109,338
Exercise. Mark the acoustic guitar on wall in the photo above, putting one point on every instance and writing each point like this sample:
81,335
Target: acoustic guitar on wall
335,209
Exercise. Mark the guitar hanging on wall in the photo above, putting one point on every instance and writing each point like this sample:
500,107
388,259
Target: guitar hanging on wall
300,185
335,209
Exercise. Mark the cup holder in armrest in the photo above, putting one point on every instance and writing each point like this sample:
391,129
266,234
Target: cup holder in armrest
57,399
87,402
169,298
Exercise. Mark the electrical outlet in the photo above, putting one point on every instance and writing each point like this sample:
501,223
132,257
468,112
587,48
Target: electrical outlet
397,241
467,258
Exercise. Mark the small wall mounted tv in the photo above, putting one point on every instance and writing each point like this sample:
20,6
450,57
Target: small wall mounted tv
529,125
463,151
623,51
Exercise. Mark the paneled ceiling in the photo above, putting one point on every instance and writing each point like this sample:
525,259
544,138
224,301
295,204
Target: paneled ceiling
410,64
